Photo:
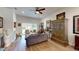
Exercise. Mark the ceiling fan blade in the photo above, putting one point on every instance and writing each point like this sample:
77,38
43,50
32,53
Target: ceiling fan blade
39,9
40,12
42,9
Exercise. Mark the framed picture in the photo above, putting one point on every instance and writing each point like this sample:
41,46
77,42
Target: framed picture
19,24
14,24
76,24
60,16
1,22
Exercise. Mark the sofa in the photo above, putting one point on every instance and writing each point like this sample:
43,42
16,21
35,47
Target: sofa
36,38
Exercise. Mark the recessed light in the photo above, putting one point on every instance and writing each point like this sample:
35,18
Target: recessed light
23,12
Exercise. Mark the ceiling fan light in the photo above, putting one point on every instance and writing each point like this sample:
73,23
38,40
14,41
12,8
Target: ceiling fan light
37,12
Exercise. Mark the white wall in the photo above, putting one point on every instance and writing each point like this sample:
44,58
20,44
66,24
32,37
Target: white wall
24,19
7,15
70,12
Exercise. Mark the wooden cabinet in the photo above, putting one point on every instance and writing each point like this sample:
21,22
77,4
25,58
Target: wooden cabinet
59,31
76,42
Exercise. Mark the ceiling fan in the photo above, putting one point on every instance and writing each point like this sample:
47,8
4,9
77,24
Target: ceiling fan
39,10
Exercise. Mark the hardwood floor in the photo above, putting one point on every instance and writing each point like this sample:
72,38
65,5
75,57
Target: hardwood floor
20,45
50,46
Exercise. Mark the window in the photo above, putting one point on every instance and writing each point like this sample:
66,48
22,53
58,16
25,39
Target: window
29,26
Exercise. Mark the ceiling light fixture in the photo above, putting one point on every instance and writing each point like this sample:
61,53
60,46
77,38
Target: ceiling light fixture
37,12
23,12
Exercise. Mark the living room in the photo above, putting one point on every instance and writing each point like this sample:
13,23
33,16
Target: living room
14,18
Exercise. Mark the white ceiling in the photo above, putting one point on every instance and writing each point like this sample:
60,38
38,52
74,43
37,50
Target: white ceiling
30,12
